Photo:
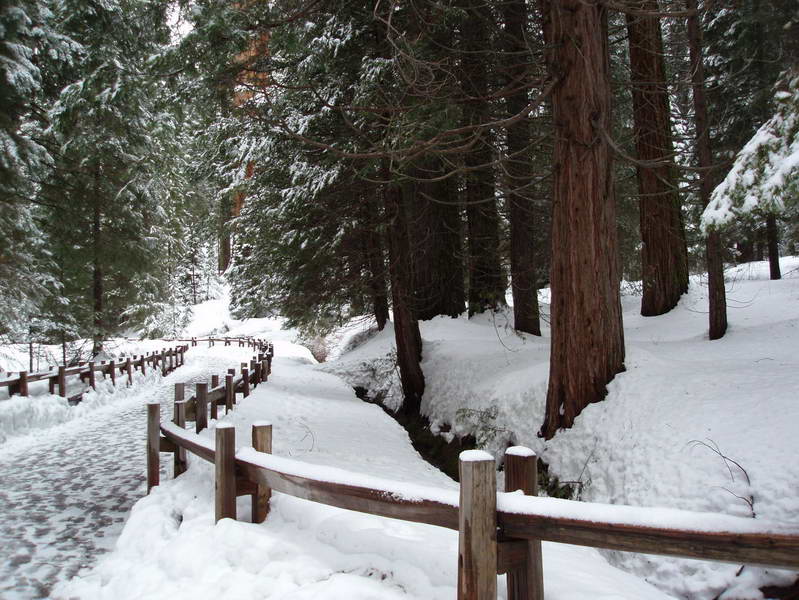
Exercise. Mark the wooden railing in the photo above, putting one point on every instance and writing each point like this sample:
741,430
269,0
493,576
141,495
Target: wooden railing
168,359
498,533
242,342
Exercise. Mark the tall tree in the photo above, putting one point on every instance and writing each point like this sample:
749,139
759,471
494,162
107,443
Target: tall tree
522,214
664,256
717,295
587,336
486,277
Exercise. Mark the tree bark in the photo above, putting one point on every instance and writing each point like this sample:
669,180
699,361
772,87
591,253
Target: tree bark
772,235
521,206
97,275
717,298
587,335
406,328
438,273
664,256
486,279
375,262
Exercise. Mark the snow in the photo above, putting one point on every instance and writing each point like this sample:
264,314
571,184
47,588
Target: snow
172,549
638,516
655,440
474,456
520,451
691,425
67,488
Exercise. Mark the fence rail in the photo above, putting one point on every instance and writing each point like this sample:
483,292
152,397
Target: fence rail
168,359
498,532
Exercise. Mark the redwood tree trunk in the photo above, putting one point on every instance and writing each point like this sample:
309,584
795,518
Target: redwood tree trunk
97,279
437,249
717,296
375,261
587,335
521,206
406,327
664,257
486,280
772,235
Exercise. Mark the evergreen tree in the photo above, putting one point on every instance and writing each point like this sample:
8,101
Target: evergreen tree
587,336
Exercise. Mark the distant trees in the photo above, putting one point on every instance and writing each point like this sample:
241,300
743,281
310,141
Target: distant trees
398,159
94,206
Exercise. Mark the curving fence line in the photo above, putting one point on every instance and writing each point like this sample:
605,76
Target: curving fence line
498,532
167,360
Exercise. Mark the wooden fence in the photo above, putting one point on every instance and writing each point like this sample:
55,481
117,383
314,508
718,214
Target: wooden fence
498,533
168,359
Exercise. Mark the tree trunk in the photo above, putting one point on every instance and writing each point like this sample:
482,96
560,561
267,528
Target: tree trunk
406,327
664,257
517,166
375,261
587,335
225,237
772,235
486,280
715,266
438,285
97,277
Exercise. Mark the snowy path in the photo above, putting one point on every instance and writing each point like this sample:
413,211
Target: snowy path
65,492
172,549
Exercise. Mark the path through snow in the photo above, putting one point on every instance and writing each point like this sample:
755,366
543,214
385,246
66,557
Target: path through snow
65,492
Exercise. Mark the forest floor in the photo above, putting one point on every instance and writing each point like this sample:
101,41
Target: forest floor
650,443
172,549
691,424
67,489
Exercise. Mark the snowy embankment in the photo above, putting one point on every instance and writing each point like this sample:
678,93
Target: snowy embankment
691,424
172,549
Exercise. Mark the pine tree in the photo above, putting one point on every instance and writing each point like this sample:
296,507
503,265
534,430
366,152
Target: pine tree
664,255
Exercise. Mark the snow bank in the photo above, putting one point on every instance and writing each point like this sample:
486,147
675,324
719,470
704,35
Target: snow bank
172,549
670,428
24,415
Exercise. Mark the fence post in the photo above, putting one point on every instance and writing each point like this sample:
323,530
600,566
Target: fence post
245,374
262,442
129,369
225,463
62,381
153,444
23,383
179,418
477,520
269,364
230,393
201,408
92,380
164,370
521,473
112,369
254,373
257,367
264,370
214,381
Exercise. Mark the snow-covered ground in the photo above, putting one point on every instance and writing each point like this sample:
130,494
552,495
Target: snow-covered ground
172,549
662,435
657,440
66,489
